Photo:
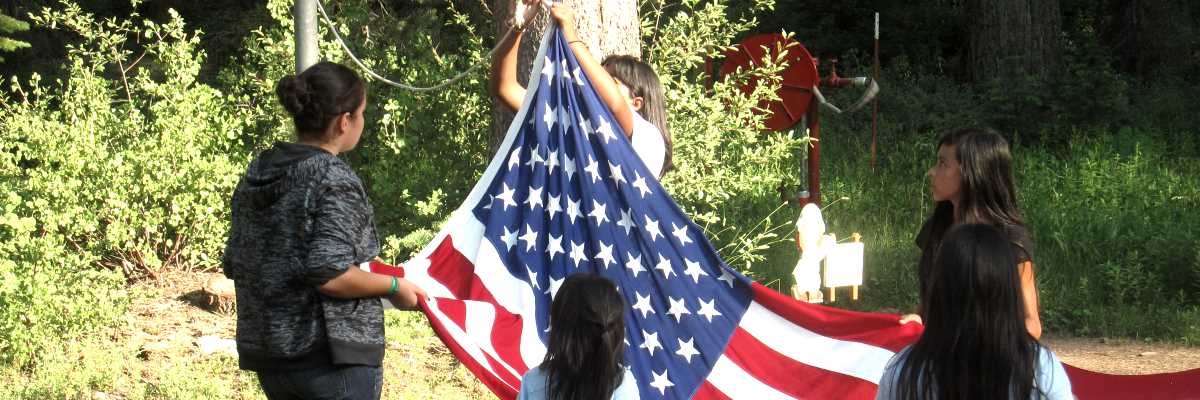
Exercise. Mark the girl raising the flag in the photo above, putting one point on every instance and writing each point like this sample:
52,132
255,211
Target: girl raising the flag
628,86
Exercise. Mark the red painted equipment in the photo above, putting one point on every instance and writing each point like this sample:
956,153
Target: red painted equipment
799,93
796,95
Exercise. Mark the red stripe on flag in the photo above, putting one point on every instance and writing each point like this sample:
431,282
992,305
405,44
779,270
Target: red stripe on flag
457,273
788,376
709,392
386,269
876,329
1094,385
501,383
456,311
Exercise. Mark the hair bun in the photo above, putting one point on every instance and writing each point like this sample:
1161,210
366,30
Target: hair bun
294,94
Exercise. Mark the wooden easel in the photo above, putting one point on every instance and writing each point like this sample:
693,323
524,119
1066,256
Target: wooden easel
833,289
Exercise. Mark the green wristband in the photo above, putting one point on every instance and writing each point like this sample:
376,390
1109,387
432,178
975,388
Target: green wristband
395,286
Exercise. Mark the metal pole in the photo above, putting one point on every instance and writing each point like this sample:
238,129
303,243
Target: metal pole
305,14
875,113
814,153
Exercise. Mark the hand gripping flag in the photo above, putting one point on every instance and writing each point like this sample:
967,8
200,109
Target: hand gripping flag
567,194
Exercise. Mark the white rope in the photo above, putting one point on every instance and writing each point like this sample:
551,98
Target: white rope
870,93
518,22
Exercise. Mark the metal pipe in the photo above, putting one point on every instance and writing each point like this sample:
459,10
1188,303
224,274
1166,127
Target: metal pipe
814,155
875,113
304,12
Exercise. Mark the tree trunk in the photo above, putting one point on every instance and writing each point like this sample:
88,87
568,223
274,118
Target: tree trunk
609,27
1012,38
1149,36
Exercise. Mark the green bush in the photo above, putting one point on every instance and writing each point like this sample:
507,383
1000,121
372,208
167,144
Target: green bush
121,168
727,169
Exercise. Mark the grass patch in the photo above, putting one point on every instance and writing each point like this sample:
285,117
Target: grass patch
1118,241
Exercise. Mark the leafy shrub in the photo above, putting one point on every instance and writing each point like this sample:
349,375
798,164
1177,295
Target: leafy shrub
727,168
121,167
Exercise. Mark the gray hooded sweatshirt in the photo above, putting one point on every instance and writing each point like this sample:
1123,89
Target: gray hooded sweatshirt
300,218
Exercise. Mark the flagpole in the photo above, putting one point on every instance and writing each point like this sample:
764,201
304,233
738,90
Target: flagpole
814,153
875,102
304,13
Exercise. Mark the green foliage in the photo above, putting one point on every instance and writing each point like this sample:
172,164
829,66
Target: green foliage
119,168
10,25
726,167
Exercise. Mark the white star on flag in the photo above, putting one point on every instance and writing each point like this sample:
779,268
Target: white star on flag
530,237
664,265
554,206
680,232
598,212
634,264
643,305
709,309
605,255
535,198
554,246
593,168
687,350
651,226
678,308
509,238
694,270
507,197
661,382
650,342
605,130
625,221
617,175
639,183
577,253
550,117
548,69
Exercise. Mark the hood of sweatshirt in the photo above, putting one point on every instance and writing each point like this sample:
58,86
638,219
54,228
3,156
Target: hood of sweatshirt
273,173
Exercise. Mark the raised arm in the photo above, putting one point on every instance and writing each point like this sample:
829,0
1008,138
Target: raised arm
605,85
503,82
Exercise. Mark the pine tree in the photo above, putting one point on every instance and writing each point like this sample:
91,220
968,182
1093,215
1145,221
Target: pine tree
9,25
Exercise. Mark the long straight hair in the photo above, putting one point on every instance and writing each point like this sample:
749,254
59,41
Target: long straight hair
642,82
975,344
989,195
587,339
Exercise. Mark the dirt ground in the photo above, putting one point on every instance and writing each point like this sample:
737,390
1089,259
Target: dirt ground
1124,356
168,324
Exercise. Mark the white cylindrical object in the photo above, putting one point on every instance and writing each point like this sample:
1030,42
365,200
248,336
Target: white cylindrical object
876,26
304,13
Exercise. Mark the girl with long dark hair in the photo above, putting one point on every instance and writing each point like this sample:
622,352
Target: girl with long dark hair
972,182
628,86
975,344
309,321
587,343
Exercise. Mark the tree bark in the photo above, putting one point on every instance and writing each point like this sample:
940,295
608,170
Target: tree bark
1149,36
609,27
1012,38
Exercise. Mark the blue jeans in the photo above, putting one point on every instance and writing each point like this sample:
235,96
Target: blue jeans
352,382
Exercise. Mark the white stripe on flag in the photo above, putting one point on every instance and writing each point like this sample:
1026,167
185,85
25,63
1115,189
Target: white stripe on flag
465,341
481,317
734,382
856,359
511,293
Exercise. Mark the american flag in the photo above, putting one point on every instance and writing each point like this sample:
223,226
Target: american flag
567,194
